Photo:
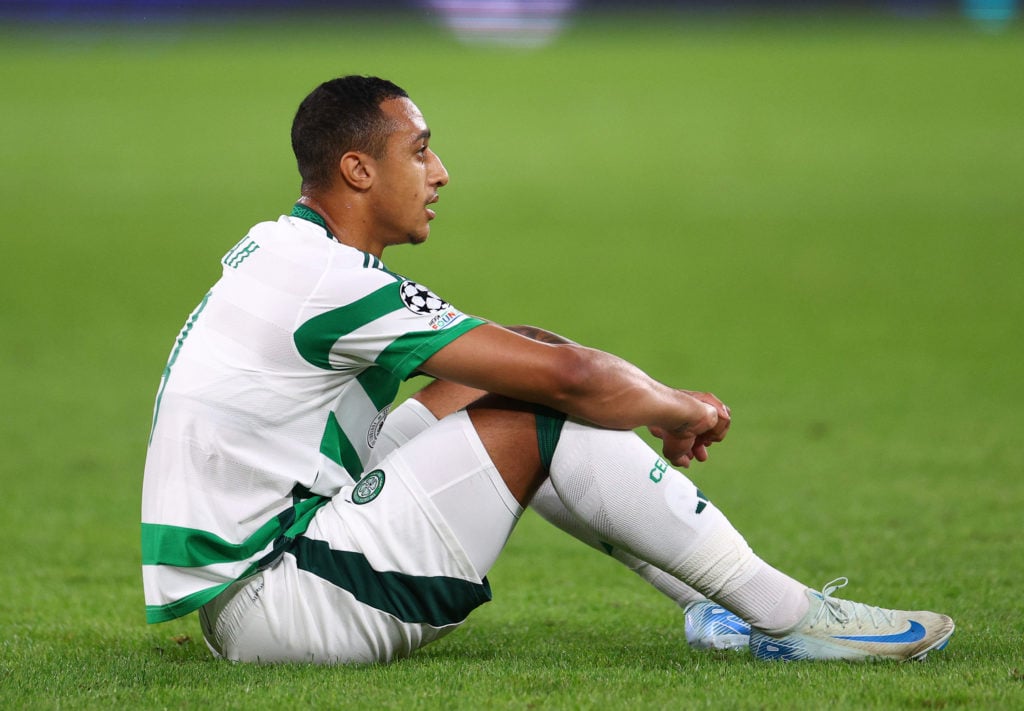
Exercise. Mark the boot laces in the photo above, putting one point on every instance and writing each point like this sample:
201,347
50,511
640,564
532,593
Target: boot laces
834,611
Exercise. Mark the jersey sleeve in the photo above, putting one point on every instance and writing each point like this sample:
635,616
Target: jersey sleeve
393,323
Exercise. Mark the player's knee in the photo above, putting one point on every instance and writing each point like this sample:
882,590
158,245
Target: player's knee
510,438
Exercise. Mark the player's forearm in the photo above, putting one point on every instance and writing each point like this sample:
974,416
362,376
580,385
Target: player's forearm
618,394
611,392
583,382
617,386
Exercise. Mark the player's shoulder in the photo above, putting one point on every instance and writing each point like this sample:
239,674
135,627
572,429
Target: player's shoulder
291,232
299,241
334,272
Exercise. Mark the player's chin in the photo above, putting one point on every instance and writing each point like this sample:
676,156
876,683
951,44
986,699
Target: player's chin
419,236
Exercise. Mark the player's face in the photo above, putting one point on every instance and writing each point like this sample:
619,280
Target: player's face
408,177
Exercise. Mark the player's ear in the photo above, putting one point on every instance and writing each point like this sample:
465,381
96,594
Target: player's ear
357,169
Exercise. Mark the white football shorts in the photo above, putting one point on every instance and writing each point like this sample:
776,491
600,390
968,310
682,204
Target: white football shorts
381,569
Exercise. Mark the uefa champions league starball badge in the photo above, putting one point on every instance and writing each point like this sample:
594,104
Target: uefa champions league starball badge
421,300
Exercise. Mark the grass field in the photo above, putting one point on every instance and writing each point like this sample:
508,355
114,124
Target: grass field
819,220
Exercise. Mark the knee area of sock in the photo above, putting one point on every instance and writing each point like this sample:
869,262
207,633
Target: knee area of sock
587,465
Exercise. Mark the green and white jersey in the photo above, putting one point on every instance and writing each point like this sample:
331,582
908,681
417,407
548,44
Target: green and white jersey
271,401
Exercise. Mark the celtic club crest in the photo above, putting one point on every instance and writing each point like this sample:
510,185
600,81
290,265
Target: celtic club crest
368,487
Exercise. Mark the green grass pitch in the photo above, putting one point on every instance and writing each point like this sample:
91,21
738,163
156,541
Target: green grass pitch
819,220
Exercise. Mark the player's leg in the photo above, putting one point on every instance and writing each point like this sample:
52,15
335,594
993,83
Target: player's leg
632,499
635,501
547,503
437,400
708,625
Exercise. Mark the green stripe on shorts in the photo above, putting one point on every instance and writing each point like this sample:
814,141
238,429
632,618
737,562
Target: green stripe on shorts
436,601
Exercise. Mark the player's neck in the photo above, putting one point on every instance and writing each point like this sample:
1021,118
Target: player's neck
343,221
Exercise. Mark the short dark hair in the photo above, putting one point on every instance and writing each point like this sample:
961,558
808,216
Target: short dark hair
339,116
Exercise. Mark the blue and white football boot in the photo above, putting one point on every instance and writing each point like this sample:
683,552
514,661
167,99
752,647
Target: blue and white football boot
840,629
711,626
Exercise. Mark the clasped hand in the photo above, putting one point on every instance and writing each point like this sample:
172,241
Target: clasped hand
691,440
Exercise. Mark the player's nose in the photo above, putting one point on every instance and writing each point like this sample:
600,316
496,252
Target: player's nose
438,174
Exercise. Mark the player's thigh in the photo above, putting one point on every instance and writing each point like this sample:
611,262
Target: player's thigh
451,465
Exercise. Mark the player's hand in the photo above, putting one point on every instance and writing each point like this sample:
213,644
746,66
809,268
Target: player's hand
718,432
680,445
691,441
678,450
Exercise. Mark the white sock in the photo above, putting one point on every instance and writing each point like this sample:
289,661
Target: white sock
774,604
550,507
402,424
633,500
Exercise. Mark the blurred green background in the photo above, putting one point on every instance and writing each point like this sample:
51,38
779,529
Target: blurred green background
816,217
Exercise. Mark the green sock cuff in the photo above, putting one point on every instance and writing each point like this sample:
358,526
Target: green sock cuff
549,428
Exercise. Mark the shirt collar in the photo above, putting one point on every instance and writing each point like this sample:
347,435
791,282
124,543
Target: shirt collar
305,213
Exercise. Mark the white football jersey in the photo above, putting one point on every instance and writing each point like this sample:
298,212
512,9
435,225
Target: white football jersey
271,400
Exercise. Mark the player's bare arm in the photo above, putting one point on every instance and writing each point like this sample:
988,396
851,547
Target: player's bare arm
443,397
702,442
539,334
583,382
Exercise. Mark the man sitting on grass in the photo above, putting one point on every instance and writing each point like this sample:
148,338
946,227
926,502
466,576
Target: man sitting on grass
307,522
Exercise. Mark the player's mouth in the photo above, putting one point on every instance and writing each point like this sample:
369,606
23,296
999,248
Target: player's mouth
430,213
